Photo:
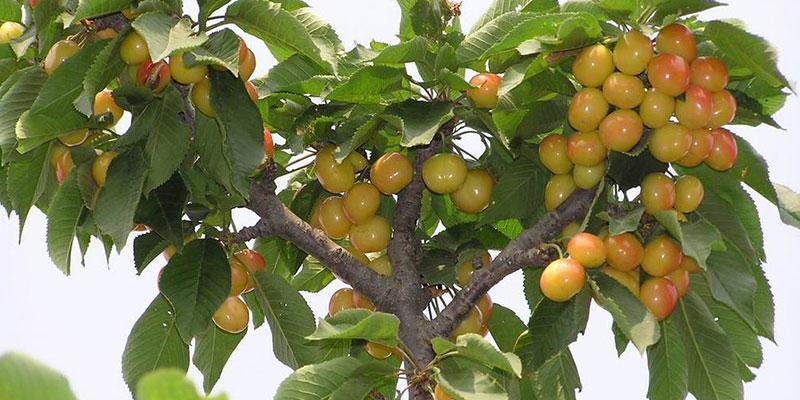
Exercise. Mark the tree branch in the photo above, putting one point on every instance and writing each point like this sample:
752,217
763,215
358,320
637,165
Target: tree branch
525,250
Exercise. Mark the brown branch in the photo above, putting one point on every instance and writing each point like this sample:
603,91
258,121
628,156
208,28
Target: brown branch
525,250
117,22
260,229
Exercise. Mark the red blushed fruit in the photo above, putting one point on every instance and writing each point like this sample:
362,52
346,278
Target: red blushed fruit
625,251
710,73
724,109
680,278
586,148
669,74
33,3
562,280
659,295
702,143
677,39
269,145
695,110
155,76
723,154
485,93
621,130
587,249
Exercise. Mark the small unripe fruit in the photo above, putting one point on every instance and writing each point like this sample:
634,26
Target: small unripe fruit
378,351
372,235
669,74
361,202
724,109
341,300
183,74
484,95
104,104
269,144
586,148
471,323
9,31
570,230
100,167
694,111
357,160
58,54
201,97
709,73
593,65
391,173
332,218
553,154
475,193
621,130
624,251
133,49
333,176
677,39
588,177
659,295
724,152
623,91
702,143
232,316
632,52
688,193
562,280
464,270
486,306
680,278
656,108
444,173
670,142
557,190
587,249
662,255
587,110
247,61
75,138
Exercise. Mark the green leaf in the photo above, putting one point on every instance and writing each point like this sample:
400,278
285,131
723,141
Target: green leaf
10,11
511,197
373,85
25,86
213,349
788,205
627,221
679,8
404,52
477,348
242,126
207,7
629,314
163,209
505,327
284,32
105,67
62,223
27,180
289,318
731,281
196,282
94,8
666,360
697,238
154,343
23,378
751,168
740,49
465,379
209,142
298,74
764,305
419,121
164,35
333,380
166,383
117,202
500,7
221,48
713,373
313,277
146,248
53,113
363,324
628,171
557,379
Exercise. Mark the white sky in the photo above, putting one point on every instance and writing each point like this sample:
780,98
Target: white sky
79,324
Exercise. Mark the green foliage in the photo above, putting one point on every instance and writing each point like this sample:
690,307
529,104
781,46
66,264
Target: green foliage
214,347
359,324
23,378
630,316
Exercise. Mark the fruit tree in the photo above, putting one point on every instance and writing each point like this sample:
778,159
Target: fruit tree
589,144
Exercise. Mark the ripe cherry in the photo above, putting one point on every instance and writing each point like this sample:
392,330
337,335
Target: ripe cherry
702,143
588,177
629,279
669,74
439,394
341,300
104,104
553,154
484,95
689,264
133,49
361,202
662,255
658,193
391,173
659,295
154,76
709,73
723,154
557,190
444,173
632,52
471,323
371,236
252,91
587,249
562,280
586,148
60,52
240,277
201,97
623,91
677,39
656,108
475,193
332,218
183,74
486,306
724,109
269,144
624,251
361,301
378,351
680,278
621,130
694,111
670,142
587,110
232,316
75,138
9,31
252,262
688,193
334,177
464,270
247,62
61,161
381,265
357,160
593,65
100,167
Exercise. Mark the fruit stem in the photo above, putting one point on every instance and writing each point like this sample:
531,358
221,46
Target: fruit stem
554,246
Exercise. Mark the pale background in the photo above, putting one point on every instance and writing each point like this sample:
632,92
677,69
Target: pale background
79,324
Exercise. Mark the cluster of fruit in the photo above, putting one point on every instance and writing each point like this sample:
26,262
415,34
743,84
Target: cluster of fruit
10,30
689,88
